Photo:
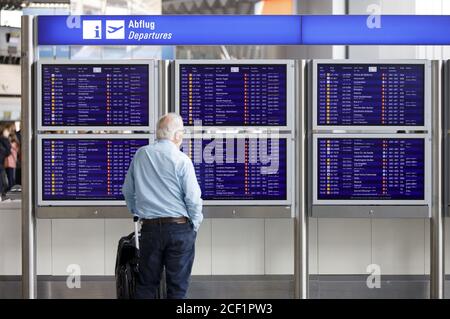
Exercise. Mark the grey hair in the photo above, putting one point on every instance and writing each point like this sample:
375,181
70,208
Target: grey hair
168,126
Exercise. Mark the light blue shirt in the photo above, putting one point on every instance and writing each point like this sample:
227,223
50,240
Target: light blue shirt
161,182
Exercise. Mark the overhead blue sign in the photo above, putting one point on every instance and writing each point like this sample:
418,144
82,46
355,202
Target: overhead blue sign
244,30
169,30
373,30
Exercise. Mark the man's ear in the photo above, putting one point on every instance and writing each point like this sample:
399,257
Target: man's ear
178,136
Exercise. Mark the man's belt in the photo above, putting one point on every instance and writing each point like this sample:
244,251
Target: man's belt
165,220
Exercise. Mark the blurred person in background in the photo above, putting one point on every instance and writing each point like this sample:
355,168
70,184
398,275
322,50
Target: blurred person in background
5,151
19,158
12,159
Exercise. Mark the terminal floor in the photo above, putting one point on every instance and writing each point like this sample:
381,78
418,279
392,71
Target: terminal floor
324,286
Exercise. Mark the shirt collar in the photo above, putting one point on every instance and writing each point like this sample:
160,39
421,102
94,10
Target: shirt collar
166,142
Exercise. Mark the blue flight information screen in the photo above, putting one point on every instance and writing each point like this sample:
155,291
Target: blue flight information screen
240,168
86,169
233,95
371,94
371,169
95,95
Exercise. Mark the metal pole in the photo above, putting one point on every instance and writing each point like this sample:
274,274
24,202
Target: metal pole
164,87
301,215
347,11
28,220
339,7
437,262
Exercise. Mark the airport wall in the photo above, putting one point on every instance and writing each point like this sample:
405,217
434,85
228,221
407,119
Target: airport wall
232,246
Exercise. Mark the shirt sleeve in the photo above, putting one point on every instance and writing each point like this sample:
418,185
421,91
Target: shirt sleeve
192,194
128,189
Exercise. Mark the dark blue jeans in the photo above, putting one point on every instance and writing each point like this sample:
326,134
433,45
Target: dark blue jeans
171,246
11,174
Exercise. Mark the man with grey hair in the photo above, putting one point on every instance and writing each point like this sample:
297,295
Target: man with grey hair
162,190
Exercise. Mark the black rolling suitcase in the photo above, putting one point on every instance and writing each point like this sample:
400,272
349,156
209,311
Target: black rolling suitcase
127,266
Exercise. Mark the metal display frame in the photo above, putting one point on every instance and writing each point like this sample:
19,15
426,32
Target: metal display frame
74,203
290,93
374,128
432,131
152,95
31,128
290,168
29,54
437,222
369,209
301,247
164,92
427,167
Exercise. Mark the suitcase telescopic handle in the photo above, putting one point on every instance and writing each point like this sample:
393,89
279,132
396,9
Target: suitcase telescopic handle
136,230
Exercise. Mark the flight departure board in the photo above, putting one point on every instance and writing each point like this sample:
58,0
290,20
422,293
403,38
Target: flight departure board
370,94
94,95
233,94
240,169
87,168
370,168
